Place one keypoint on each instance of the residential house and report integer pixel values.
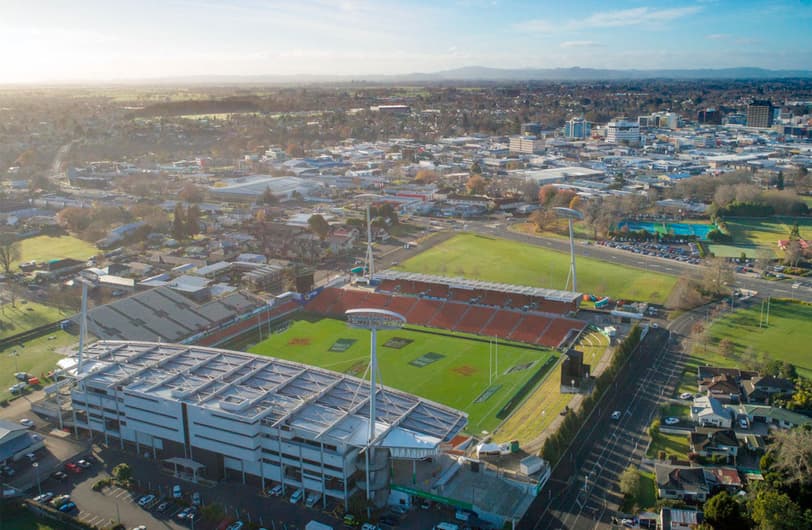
(762, 389)
(711, 442)
(723, 387)
(724, 478)
(706, 373)
(342, 240)
(709, 411)
(681, 483)
(775, 417)
(680, 519)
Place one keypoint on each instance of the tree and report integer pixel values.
(717, 277)
(318, 226)
(546, 194)
(793, 455)
(630, 481)
(772, 510)
(530, 191)
(122, 472)
(9, 252)
(793, 253)
(543, 218)
(725, 348)
(178, 223)
(475, 168)
(268, 197)
(191, 193)
(475, 185)
(192, 220)
(723, 512)
(425, 176)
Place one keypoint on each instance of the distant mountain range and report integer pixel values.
(482, 73)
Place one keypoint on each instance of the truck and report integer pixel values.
(315, 525)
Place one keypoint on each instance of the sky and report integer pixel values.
(119, 40)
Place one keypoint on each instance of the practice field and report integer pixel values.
(786, 338)
(25, 315)
(757, 238)
(37, 356)
(449, 369)
(46, 248)
(502, 260)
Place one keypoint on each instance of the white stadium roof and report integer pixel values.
(325, 404)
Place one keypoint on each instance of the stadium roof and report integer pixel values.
(464, 283)
(252, 388)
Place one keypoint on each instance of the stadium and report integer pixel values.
(298, 412)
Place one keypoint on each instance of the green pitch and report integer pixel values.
(46, 248)
(787, 338)
(449, 369)
(502, 260)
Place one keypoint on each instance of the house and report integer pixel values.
(711, 442)
(775, 417)
(705, 374)
(680, 519)
(723, 387)
(762, 389)
(726, 478)
(707, 410)
(681, 483)
(342, 240)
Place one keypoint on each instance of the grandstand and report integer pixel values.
(166, 315)
(540, 321)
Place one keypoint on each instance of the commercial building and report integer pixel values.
(623, 131)
(218, 413)
(760, 114)
(709, 117)
(526, 145)
(577, 128)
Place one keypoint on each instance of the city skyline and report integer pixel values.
(90, 41)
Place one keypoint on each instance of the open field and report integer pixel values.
(545, 404)
(25, 315)
(45, 248)
(507, 261)
(36, 356)
(672, 444)
(786, 338)
(450, 369)
(756, 237)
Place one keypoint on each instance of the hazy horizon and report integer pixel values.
(95, 41)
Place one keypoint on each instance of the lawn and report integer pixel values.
(46, 248)
(754, 237)
(25, 520)
(25, 315)
(36, 357)
(672, 444)
(546, 402)
(501, 260)
(455, 373)
(785, 339)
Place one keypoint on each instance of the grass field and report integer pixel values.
(26, 521)
(543, 406)
(507, 261)
(36, 356)
(45, 248)
(25, 315)
(456, 378)
(757, 237)
(785, 339)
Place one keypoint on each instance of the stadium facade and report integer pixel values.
(213, 413)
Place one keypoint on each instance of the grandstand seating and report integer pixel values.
(530, 329)
(323, 301)
(401, 304)
(502, 323)
(423, 311)
(474, 319)
(558, 330)
(448, 315)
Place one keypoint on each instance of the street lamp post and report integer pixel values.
(35, 465)
(15, 354)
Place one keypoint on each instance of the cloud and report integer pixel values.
(718, 36)
(611, 19)
(579, 44)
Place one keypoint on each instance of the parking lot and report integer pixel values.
(686, 253)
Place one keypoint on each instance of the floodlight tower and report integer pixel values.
(569, 214)
(373, 320)
(370, 259)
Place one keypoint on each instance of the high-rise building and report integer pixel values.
(623, 131)
(577, 128)
(531, 128)
(760, 114)
(526, 145)
(709, 117)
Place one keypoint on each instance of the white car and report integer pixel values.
(686, 395)
(796, 285)
(743, 423)
(671, 420)
(146, 499)
(297, 496)
(177, 493)
(616, 415)
(26, 422)
(236, 526)
(276, 491)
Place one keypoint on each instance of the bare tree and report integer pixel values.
(717, 277)
(793, 455)
(9, 252)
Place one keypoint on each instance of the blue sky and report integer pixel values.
(58, 40)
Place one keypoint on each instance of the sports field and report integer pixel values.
(786, 338)
(45, 248)
(36, 356)
(25, 315)
(452, 369)
(759, 237)
(502, 260)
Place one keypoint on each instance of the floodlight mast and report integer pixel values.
(569, 214)
(373, 320)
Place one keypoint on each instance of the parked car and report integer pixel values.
(351, 520)
(59, 475)
(297, 496)
(196, 498)
(25, 422)
(398, 509)
(743, 423)
(671, 420)
(237, 525)
(183, 513)
(616, 415)
(686, 395)
(59, 501)
(312, 499)
(162, 507)
(67, 507)
(45, 497)
(83, 464)
(370, 526)
(146, 499)
(276, 491)
(177, 493)
(73, 468)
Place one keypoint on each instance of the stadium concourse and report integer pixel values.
(518, 313)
